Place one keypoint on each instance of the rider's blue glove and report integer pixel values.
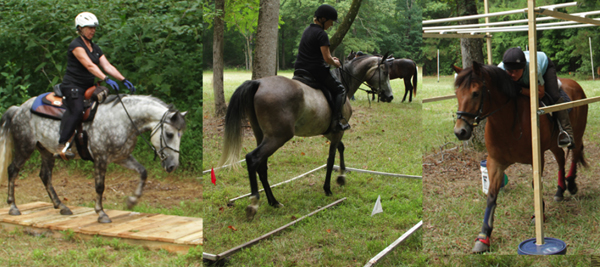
(112, 83)
(129, 86)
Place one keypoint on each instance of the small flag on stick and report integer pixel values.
(213, 178)
(377, 208)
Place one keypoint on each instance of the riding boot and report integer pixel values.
(337, 118)
(64, 152)
(565, 135)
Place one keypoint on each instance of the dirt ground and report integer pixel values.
(77, 188)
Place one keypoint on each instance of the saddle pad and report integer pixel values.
(50, 106)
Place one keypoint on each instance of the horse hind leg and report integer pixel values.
(46, 176)
(577, 157)
(408, 89)
(132, 164)
(20, 157)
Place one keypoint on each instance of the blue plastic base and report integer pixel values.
(551, 246)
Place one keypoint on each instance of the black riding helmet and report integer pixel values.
(514, 59)
(328, 12)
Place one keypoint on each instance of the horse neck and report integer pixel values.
(503, 106)
(145, 113)
(355, 75)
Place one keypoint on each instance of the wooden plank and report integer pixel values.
(125, 227)
(31, 218)
(437, 98)
(141, 232)
(535, 130)
(28, 206)
(182, 229)
(26, 212)
(571, 104)
(95, 228)
(86, 219)
(193, 239)
(43, 222)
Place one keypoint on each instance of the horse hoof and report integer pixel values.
(277, 205)
(131, 202)
(571, 185)
(14, 212)
(341, 179)
(66, 211)
(250, 212)
(558, 198)
(480, 247)
(104, 219)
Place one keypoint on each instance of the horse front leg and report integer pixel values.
(99, 173)
(132, 164)
(46, 176)
(559, 155)
(341, 179)
(335, 141)
(496, 175)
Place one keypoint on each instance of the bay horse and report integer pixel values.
(112, 138)
(405, 69)
(486, 91)
(280, 108)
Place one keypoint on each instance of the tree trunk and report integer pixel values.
(282, 49)
(218, 43)
(341, 31)
(472, 50)
(265, 59)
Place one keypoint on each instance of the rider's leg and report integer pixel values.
(71, 119)
(338, 93)
(565, 137)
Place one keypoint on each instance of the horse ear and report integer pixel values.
(477, 68)
(183, 114)
(456, 69)
(385, 56)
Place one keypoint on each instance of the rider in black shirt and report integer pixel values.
(314, 56)
(83, 59)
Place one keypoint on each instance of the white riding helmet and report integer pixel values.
(86, 19)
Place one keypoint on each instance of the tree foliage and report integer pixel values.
(155, 44)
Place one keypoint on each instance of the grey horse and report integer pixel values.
(112, 138)
(279, 108)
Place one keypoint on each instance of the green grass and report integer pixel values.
(384, 137)
(454, 203)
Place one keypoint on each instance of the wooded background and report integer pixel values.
(156, 44)
(380, 26)
(567, 48)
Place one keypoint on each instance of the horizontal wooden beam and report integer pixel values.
(565, 16)
(567, 105)
(454, 35)
(438, 98)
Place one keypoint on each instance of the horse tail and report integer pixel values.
(415, 80)
(241, 105)
(6, 142)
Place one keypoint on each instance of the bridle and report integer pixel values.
(478, 117)
(161, 126)
(373, 90)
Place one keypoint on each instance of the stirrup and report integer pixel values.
(562, 132)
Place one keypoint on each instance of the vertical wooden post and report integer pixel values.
(488, 39)
(535, 129)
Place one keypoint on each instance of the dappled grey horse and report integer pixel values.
(112, 138)
(279, 108)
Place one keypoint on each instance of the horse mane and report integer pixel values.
(115, 100)
(500, 79)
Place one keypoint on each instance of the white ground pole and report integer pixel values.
(208, 171)
(592, 59)
(438, 64)
(535, 110)
(385, 251)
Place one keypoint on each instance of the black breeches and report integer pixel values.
(73, 114)
(324, 76)
(551, 82)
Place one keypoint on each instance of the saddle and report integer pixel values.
(50, 105)
(305, 77)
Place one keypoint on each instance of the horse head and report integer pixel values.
(380, 79)
(166, 138)
(351, 56)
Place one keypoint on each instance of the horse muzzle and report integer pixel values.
(170, 164)
(462, 130)
(386, 99)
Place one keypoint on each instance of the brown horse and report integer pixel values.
(279, 108)
(486, 91)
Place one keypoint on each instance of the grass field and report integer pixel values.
(454, 203)
(384, 137)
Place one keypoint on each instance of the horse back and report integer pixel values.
(402, 68)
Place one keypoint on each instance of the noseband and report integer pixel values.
(478, 117)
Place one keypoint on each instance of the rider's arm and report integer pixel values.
(328, 58)
(541, 91)
(83, 58)
(110, 69)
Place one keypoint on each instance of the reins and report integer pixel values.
(372, 90)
